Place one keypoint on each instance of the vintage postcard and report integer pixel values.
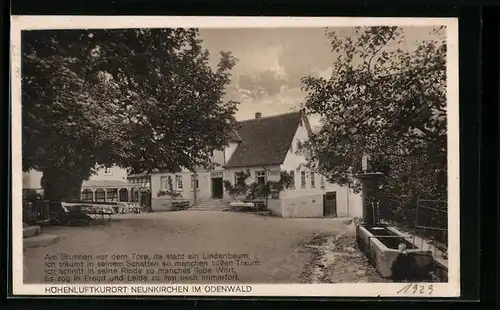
(234, 156)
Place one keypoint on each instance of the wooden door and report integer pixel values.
(217, 188)
(330, 204)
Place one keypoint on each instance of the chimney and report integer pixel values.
(258, 115)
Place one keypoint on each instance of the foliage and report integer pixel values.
(30, 195)
(286, 180)
(169, 191)
(240, 188)
(143, 99)
(256, 190)
(385, 102)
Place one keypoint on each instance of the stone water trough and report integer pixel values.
(384, 245)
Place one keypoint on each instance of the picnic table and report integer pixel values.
(99, 213)
(127, 207)
(80, 213)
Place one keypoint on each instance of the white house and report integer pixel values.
(264, 146)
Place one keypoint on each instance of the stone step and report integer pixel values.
(212, 203)
(31, 231)
(210, 206)
(40, 241)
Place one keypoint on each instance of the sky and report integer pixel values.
(273, 60)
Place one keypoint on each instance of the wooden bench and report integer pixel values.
(179, 205)
(240, 206)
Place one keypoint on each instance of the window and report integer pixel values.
(112, 194)
(123, 194)
(313, 180)
(260, 177)
(135, 194)
(108, 171)
(195, 182)
(322, 182)
(164, 182)
(178, 183)
(87, 195)
(239, 178)
(303, 179)
(100, 195)
(292, 175)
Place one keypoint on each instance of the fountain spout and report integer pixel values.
(370, 197)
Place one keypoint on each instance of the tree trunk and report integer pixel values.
(59, 185)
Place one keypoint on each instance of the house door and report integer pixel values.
(330, 204)
(217, 188)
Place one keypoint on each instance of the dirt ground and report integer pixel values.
(280, 250)
(337, 260)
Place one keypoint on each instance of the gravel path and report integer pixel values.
(277, 247)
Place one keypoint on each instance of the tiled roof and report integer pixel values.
(265, 140)
(235, 136)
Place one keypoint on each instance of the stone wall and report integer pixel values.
(308, 206)
(274, 205)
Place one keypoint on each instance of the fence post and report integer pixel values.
(416, 223)
(369, 195)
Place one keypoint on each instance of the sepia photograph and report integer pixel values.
(235, 156)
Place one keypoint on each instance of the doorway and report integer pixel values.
(217, 188)
(330, 204)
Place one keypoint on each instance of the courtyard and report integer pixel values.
(275, 250)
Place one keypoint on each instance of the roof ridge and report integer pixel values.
(270, 116)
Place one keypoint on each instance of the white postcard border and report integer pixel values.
(450, 289)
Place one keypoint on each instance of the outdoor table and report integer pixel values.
(94, 211)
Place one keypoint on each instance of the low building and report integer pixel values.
(108, 184)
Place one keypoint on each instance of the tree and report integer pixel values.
(385, 102)
(142, 99)
(264, 83)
